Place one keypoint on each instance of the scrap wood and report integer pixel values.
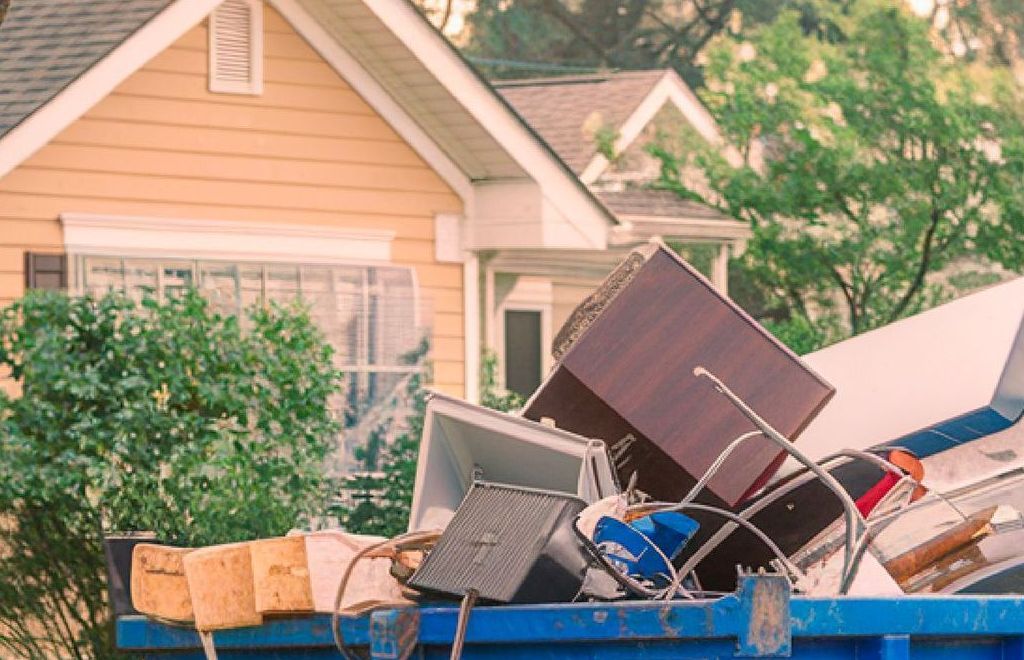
(281, 582)
(906, 565)
(220, 581)
(158, 585)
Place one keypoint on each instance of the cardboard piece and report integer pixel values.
(626, 376)
(460, 439)
(158, 584)
(329, 554)
(220, 581)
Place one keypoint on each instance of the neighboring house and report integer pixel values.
(601, 127)
(340, 151)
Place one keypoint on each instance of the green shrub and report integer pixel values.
(161, 416)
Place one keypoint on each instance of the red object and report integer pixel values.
(869, 500)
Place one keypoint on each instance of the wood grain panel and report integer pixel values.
(193, 87)
(278, 195)
(637, 357)
(35, 216)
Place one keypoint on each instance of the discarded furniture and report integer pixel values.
(625, 375)
(462, 442)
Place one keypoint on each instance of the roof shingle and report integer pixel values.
(46, 44)
(563, 110)
(656, 203)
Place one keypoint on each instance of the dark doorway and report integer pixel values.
(522, 351)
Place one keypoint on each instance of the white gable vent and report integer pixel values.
(236, 47)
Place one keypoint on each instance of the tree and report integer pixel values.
(883, 163)
(161, 416)
(522, 38)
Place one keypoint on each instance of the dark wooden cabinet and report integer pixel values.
(625, 375)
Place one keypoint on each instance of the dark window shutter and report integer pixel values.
(46, 271)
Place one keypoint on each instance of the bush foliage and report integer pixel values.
(162, 416)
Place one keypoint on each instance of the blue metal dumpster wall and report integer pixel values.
(760, 620)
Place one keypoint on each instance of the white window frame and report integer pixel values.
(222, 240)
(254, 86)
(193, 240)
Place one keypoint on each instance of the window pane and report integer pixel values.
(251, 283)
(140, 278)
(349, 330)
(522, 351)
(282, 284)
(221, 286)
(102, 274)
(393, 321)
(176, 277)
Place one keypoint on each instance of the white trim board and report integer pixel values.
(91, 87)
(670, 88)
(135, 236)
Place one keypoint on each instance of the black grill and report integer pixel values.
(510, 544)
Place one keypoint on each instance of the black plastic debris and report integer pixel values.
(510, 545)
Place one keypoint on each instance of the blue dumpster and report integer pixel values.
(760, 620)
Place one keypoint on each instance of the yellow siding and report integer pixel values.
(309, 150)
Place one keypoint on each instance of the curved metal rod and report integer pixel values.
(727, 529)
(751, 527)
(854, 521)
(716, 465)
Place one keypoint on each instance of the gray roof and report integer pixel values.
(563, 110)
(47, 44)
(658, 203)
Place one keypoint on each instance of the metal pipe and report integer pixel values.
(854, 521)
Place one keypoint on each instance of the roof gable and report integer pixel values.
(47, 44)
(568, 111)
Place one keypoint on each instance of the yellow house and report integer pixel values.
(340, 151)
(337, 150)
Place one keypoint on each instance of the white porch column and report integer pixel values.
(471, 325)
(720, 269)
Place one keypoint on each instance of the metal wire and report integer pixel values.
(339, 636)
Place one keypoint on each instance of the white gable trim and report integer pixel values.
(584, 213)
(363, 82)
(138, 236)
(91, 87)
(670, 89)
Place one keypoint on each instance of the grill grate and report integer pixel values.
(511, 544)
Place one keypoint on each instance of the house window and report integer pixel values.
(523, 350)
(368, 313)
(236, 47)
